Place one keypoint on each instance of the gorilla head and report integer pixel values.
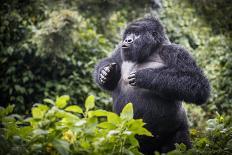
(141, 38)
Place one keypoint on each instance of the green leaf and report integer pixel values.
(47, 100)
(136, 126)
(5, 111)
(133, 140)
(74, 108)
(40, 132)
(89, 102)
(97, 113)
(39, 111)
(113, 118)
(61, 146)
(107, 125)
(62, 101)
(144, 131)
(181, 147)
(127, 112)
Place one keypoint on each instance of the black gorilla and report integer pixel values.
(155, 75)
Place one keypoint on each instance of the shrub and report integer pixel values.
(58, 128)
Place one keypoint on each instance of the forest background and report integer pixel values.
(49, 48)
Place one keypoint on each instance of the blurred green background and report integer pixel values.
(49, 48)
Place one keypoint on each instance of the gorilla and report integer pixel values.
(155, 75)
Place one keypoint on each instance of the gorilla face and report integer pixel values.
(137, 46)
(140, 38)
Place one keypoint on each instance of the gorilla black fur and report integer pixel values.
(156, 76)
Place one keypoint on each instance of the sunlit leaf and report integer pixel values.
(39, 111)
(97, 113)
(127, 112)
(74, 108)
(62, 101)
(106, 125)
(49, 101)
(89, 102)
(113, 118)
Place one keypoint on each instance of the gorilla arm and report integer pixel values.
(180, 79)
(107, 72)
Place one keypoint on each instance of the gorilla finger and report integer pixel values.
(133, 72)
(133, 84)
(104, 72)
(107, 69)
(102, 77)
(102, 81)
(131, 81)
(131, 76)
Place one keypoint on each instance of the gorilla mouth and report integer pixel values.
(124, 45)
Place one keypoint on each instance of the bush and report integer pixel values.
(58, 128)
(216, 139)
(55, 56)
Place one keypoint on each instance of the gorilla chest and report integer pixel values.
(129, 67)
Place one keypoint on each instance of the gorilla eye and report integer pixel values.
(136, 33)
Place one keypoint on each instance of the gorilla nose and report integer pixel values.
(129, 40)
(126, 43)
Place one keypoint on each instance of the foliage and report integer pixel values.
(215, 140)
(186, 26)
(55, 53)
(58, 128)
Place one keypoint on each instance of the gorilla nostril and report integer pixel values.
(129, 41)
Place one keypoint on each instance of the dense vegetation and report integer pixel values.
(49, 48)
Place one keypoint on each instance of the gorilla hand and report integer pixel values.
(106, 74)
(132, 78)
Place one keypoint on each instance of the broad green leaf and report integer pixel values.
(113, 132)
(89, 102)
(5, 111)
(40, 132)
(62, 101)
(47, 100)
(181, 147)
(80, 122)
(113, 118)
(127, 112)
(61, 146)
(136, 126)
(39, 111)
(74, 108)
(133, 140)
(107, 125)
(144, 131)
(97, 113)
(85, 144)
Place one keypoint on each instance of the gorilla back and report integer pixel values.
(156, 76)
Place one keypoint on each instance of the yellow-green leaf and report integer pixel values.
(113, 118)
(62, 101)
(74, 108)
(90, 102)
(97, 113)
(106, 125)
(47, 100)
(127, 112)
(39, 111)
